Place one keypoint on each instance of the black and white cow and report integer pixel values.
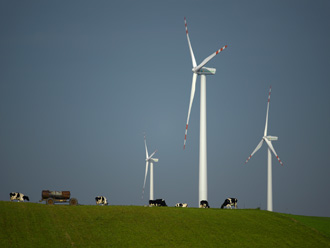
(229, 202)
(157, 203)
(204, 204)
(181, 205)
(18, 196)
(101, 200)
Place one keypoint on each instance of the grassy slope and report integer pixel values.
(133, 226)
(320, 224)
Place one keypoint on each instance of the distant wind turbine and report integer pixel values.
(202, 71)
(151, 160)
(268, 139)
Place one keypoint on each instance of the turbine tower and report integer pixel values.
(151, 160)
(202, 71)
(268, 139)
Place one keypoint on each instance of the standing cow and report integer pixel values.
(204, 204)
(229, 202)
(18, 196)
(157, 203)
(101, 200)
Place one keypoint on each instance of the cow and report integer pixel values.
(181, 205)
(18, 196)
(101, 200)
(204, 204)
(157, 203)
(229, 202)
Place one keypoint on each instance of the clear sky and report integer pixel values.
(81, 81)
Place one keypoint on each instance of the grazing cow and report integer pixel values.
(157, 203)
(18, 196)
(204, 204)
(229, 202)
(101, 200)
(181, 205)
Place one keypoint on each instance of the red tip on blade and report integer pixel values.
(279, 160)
(221, 49)
(248, 159)
(270, 91)
(186, 126)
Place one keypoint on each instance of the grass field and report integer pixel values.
(39, 225)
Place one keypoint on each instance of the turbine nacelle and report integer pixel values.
(151, 159)
(271, 138)
(205, 71)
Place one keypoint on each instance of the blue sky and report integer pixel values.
(81, 81)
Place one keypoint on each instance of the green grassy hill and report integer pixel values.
(39, 225)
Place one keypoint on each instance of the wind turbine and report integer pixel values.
(202, 71)
(268, 139)
(151, 160)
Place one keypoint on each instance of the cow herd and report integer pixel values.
(101, 200)
(203, 204)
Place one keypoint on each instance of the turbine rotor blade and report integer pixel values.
(190, 48)
(255, 150)
(152, 155)
(145, 178)
(145, 144)
(266, 125)
(192, 94)
(205, 61)
(273, 150)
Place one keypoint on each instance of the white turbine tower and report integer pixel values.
(268, 139)
(202, 71)
(151, 160)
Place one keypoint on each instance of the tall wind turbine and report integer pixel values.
(268, 139)
(202, 71)
(151, 160)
